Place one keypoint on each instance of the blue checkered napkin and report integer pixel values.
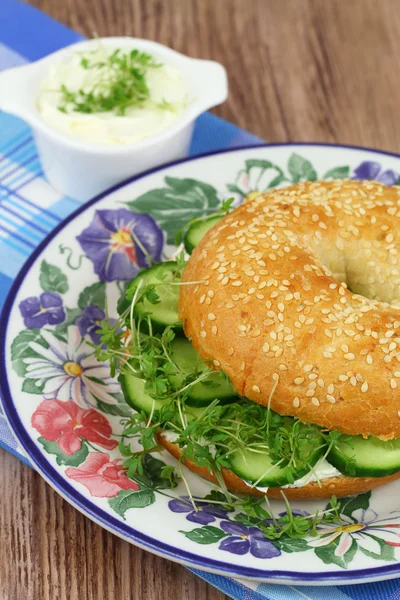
(30, 209)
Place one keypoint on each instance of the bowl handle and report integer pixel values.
(16, 91)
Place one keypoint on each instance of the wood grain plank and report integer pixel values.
(305, 70)
(50, 551)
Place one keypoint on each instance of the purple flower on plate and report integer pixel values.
(47, 309)
(244, 539)
(205, 515)
(373, 170)
(89, 322)
(120, 242)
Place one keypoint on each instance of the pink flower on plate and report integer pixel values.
(67, 424)
(103, 477)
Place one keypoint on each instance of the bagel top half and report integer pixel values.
(298, 300)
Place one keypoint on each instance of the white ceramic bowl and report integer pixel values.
(83, 170)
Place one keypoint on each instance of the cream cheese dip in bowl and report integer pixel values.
(106, 109)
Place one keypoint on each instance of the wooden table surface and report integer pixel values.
(303, 70)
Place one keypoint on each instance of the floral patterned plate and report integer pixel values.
(68, 412)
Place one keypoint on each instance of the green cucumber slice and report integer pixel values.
(136, 396)
(255, 467)
(371, 457)
(215, 386)
(197, 231)
(165, 312)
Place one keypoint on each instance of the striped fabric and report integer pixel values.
(30, 209)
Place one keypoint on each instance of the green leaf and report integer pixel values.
(29, 386)
(337, 173)
(93, 294)
(287, 544)
(235, 189)
(176, 204)
(153, 468)
(72, 460)
(277, 181)
(120, 409)
(328, 556)
(348, 505)
(205, 535)
(259, 163)
(261, 183)
(386, 551)
(217, 496)
(60, 330)
(126, 499)
(52, 279)
(20, 348)
(301, 169)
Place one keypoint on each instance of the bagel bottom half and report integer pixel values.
(334, 486)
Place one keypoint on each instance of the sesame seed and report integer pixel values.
(315, 401)
(256, 389)
(203, 334)
(296, 402)
(216, 363)
(393, 384)
(364, 387)
(299, 380)
(211, 317)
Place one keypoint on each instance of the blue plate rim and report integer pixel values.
(98, 515)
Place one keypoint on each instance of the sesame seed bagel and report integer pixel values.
(299, 303)
(338, 486)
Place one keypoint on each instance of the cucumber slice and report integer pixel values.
(197, 231)
(371, 457)
(165, 312)
(136, 396)
(255, 467)
(216, 385)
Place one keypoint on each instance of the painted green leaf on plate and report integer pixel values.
(205, 535)
(72, 460)
(176, 204)
(301, 169)
(93, 294)
(127, 499)
(52, 279)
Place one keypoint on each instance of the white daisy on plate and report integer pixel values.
(70, 371)
(364, 527)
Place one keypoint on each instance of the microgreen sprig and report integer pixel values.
(120, 83)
